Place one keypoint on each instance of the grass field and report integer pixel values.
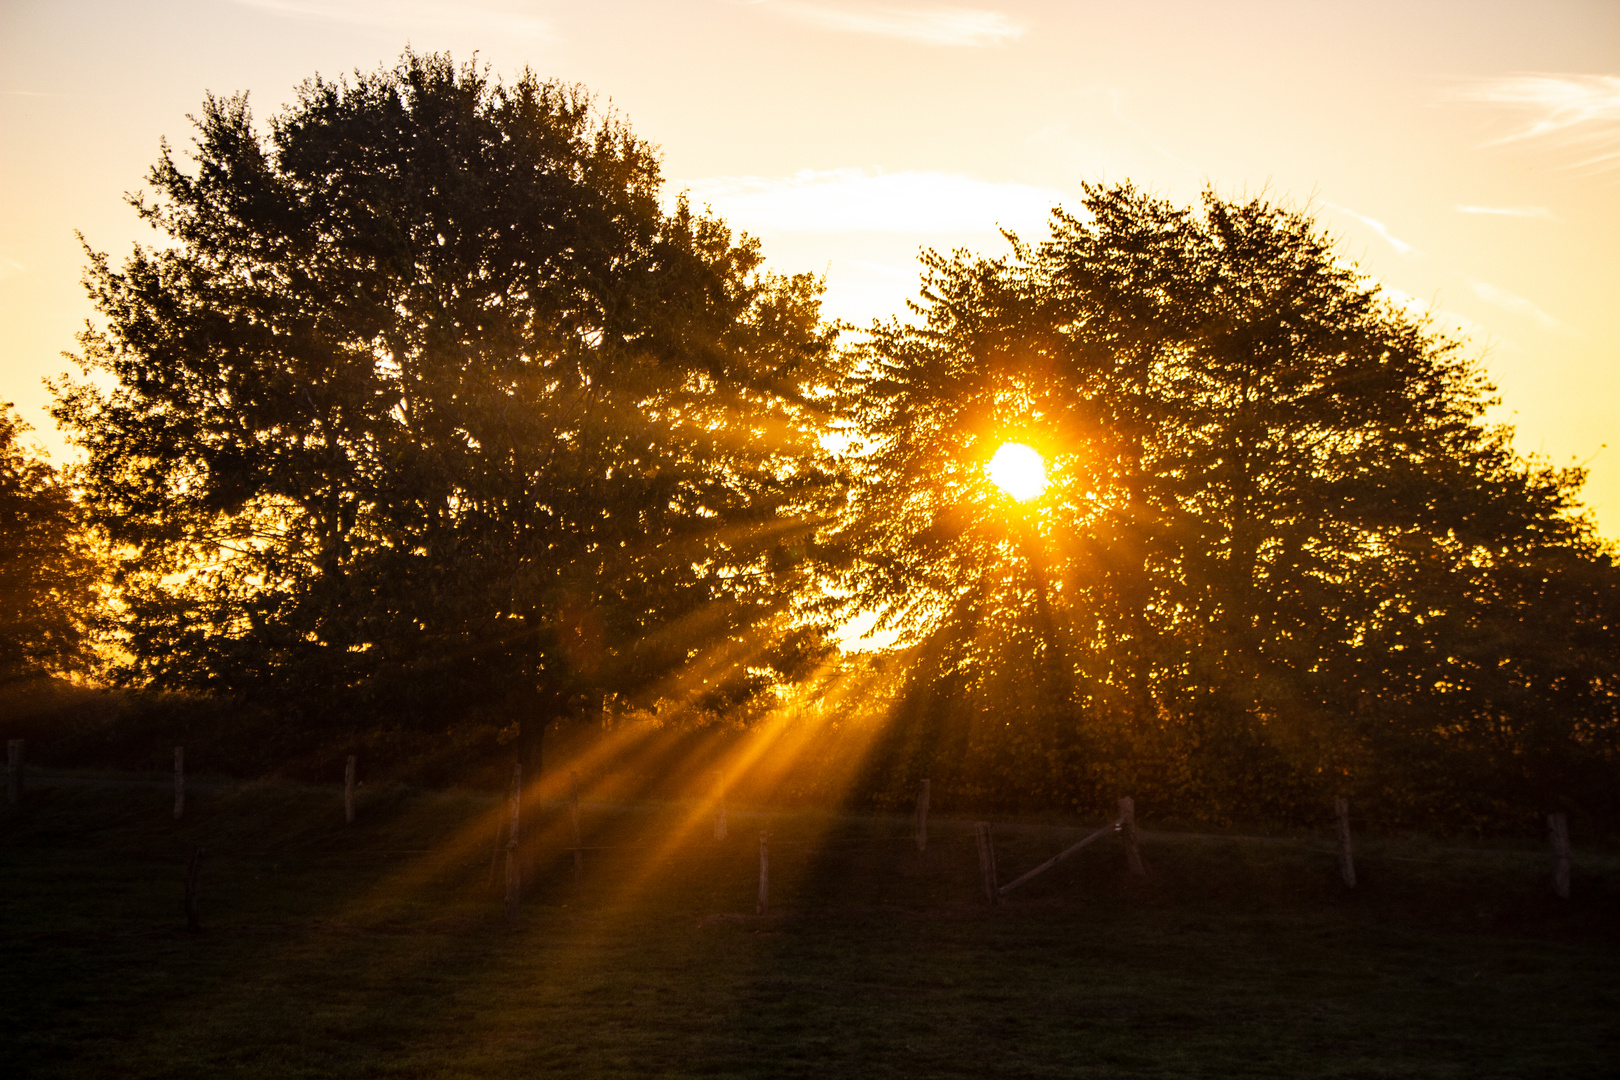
(381, 949)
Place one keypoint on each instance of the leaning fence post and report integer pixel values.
(348, 791)
(987, 863)
(193, 868)
(1347, 862)
(922, 816)
(763, 906)
(1132, 838)
(14, 770)
(512, 869)
(573, 817)
(1558, 828)
(179, 781)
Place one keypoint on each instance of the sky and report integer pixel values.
(1465, 155)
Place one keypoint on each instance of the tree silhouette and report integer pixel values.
(1277, 531)
(425, 402)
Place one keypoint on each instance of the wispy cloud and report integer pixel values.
(927, 26)
(858, 200)
(1401, 246)
(509, 17)
(1580, 112)
(1506, 211)
(1518, 305)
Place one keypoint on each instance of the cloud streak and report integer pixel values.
(1401, 246)
(1518, 305)
(959, 27)
(858, 200)
(1580, 112)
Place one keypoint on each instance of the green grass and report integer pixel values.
(381, 949)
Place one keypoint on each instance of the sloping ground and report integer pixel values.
(381, 949)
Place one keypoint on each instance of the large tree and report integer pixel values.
(425, 401)
(1281, 550)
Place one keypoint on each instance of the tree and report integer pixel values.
(1266, 481)
(427, 405)
(50, 575)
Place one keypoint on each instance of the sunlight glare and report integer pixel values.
(1018, 470)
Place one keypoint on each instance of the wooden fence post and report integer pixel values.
(1347, 862)
(573, 817)
(179, 781)
(987, 863)
(193, 868)
(513, 872)
(1132, 838)
(1558, 829)
(348, 791)
(14, 771)
(763, 905)
(922, 816)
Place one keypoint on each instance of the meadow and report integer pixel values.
(382, 949)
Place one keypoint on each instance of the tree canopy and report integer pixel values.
(425, 401)
(1281, 550)
(50, 574)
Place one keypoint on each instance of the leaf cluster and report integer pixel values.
(51, 605)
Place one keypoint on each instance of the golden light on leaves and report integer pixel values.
(1018, 470)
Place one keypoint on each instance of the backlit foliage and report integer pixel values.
(1281, 554)
(425, 404)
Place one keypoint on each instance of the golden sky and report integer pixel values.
(1467, 154)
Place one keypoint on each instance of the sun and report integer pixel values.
(1018, 470)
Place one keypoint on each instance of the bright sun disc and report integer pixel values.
(1018, 470)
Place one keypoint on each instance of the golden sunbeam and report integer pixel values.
(761, 767)
(1018, 470)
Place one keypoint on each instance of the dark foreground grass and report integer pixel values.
(381, 950)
